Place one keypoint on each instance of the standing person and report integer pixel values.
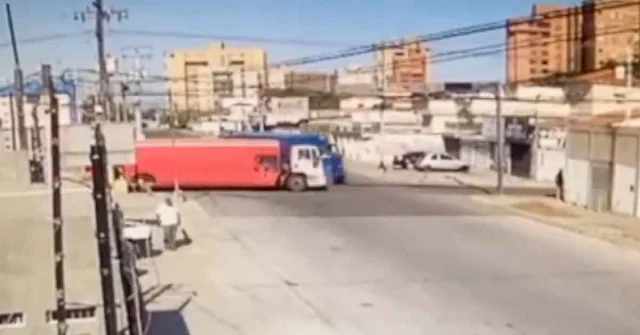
(560, 186)
(169, 219)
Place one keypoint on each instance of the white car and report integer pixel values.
(441, 162)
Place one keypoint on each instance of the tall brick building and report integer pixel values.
(403, 67)
(559, 39)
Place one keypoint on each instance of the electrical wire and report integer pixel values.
(441, 57)
(452, 33)
(187, 35)
(446, 56)
(47, 38)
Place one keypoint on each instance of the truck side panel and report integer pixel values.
(205, 165)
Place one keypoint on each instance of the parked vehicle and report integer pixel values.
(227, 163)
(441, 162)
(409, 159)
(333, 161)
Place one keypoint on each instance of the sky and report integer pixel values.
(338, 24)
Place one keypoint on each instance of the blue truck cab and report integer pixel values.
(333, 159)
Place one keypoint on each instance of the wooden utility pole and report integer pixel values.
(19, 84)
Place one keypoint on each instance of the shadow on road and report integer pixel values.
(167, 322)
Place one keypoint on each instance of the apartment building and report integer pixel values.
(610, 28)
(199, 77)
(559, 39)
(547, 42)
(290, 79)
(403, 67)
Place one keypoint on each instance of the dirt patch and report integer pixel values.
(541, 208)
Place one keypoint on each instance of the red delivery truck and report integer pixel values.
(227, 163)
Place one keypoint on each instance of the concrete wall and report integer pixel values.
(77, 139)
(477, 154)
(14, 168)
(547, 162)
(386, 146)
(577, 181)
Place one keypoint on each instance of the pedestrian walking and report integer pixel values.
(169, 219)
(560, 186)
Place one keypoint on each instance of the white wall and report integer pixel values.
(477, 154)
(577, 179)
(622, 195)
(547, 163)
(356, 103)
(64, 111)
(388, 145)
(442, 111)
(601, 99)
(355, 75)
(289, 103)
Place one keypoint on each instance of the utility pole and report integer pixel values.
(19, 84)
(499, 138)
(102, 15)
(56, 190)
(383, 84)
(136, 73)
(265, 99)
(101, 205)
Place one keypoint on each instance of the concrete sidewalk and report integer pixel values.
(359, 173)
(214, 285)
(622, 231)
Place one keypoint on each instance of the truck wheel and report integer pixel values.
(296, 183)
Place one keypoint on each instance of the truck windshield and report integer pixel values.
(325, 149)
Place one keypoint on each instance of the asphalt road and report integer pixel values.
(393, 260)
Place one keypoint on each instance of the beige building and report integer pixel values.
(290, 79)
(403, 67)
(199, 77)
(559, 39)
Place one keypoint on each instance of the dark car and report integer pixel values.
(409, 159)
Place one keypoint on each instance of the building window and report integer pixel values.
(546, 34)
(545, 62)
(223, 84)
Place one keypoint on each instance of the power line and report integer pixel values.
(46, 38)
(448, 34)
(446, 56)
(255, 39)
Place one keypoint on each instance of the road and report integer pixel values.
(393, 260)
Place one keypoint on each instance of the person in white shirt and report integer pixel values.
(169, 219)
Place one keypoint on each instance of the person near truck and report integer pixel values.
(169, 219)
